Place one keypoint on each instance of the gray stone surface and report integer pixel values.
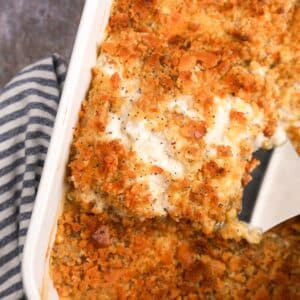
(33, 29)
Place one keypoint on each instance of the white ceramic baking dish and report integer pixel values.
(37, 282)
(42, 229)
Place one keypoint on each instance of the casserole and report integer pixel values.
(53, 177)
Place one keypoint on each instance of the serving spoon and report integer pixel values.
(279, 195)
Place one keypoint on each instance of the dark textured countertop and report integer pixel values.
(33, 29)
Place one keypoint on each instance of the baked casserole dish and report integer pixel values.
(182, 95)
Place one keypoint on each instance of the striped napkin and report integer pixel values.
(28, 105)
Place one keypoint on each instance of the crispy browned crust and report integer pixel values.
(163, 259)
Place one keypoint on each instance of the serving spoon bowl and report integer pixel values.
(279, 194)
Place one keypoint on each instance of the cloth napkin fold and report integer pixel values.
(28, 105)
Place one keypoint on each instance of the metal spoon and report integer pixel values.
(279, 194)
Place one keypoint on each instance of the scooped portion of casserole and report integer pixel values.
(182, 95)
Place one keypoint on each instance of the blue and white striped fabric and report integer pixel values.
(28, 105)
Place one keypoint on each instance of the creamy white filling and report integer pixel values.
(157, 187)
(240, 105)
(279, 137)
(182, 104)
(259, 141)
(215, 134)
(262, 71)
(130, 89)
(114, 129)
(221, 130)
(151, 147)
(106, 65)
